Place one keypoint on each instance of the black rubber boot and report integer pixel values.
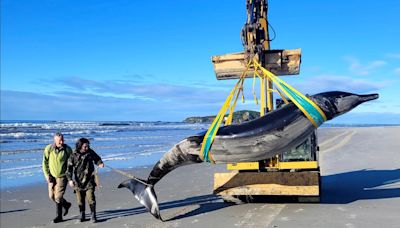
(66, 205)
(59, 217)
(82, 211)
(93, 212)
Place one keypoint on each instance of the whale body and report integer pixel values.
(259, 139)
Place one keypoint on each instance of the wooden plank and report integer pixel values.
(298, 165)
(243, 166)
(272, 190)
(279, 62)
(267, 183)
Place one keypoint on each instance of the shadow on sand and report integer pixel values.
(11, 211)
(339, 188)
(205, 203)
(348, 187)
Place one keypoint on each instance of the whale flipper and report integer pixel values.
(144, 194)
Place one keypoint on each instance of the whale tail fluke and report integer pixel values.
(145, 194)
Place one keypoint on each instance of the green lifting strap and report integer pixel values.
(307, 106)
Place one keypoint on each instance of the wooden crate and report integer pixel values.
(279, 62)
(267, 183)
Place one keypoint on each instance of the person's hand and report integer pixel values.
(71, 183)
(101, 165)
(49, 179)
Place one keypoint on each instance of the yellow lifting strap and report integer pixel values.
(308, 107)
(213, 129)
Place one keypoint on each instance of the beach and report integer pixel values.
(360, 168)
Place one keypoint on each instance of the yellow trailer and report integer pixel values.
(296, 174)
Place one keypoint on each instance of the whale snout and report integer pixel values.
(368, 97)
(342, 102)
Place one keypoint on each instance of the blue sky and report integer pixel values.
(151, 60)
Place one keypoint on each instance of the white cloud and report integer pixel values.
(324, 83)
(363, 69)
(397, 71)
(194, 92)
(84, 106)
(393, 55)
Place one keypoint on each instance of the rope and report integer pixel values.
(96, 177)
(128, 175)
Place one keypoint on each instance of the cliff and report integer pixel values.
(238, 117)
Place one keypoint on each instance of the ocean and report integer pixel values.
(127, 144)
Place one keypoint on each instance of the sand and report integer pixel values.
(360, 188)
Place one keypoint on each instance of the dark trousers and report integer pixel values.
(88, 194)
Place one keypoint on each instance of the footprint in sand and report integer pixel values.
(352, 216)
(284, 219)
(194, 221)
(299, 210)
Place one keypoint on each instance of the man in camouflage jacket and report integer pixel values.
(81, 167)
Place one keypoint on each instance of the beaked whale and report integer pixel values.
(259, 139)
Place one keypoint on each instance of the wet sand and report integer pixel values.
(360, 188)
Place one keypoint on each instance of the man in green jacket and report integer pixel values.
(55, 158)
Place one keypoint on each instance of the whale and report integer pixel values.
(255, 140)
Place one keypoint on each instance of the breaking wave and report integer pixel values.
(120, 143)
